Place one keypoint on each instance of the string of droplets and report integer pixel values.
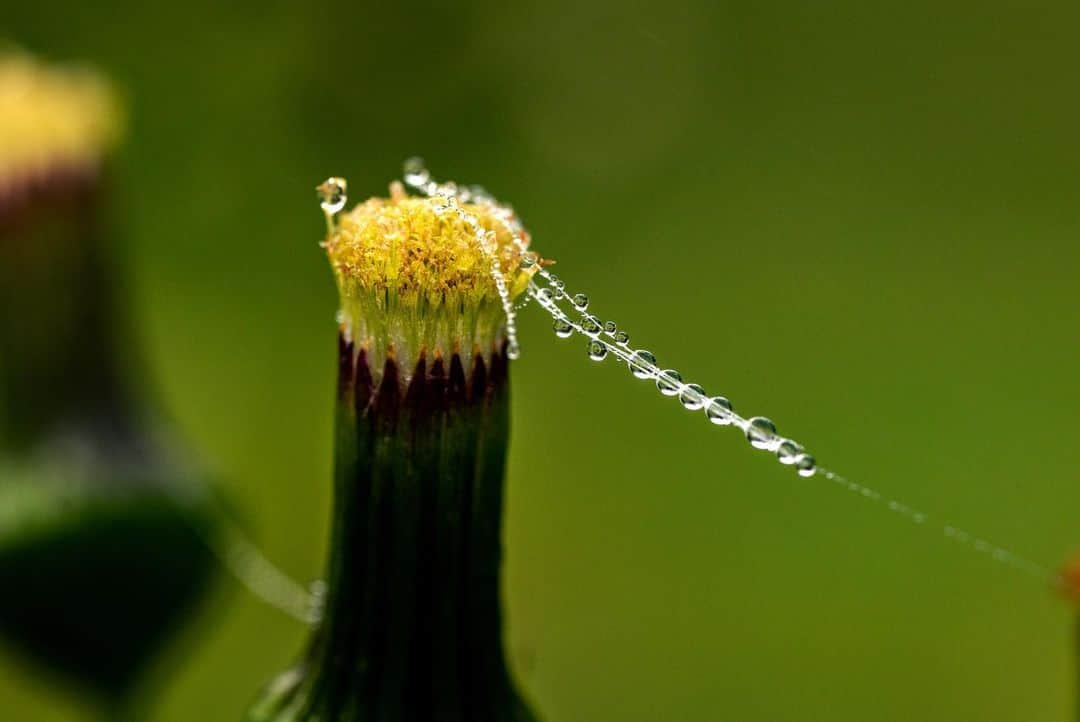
(604, 339)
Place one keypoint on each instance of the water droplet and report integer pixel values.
(642, 364)
(787, 451)
(806, 465)
(332, 196)
(610, 328)
(692, 397)
(529, 259)
(761, 433)
(513, 350)
(718, 410)
(556, 282)
(669, 382)
(581, 301)
(544, 295)
(563, 329)
(622, 338)
(416, 173)
(590, 325)
(597, 350)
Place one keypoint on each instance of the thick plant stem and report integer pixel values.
(412, 624)
(59, 371)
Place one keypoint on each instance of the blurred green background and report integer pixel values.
(857, 218)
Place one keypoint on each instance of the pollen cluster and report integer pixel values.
(52, 117)
(400, 247)
(413, 279)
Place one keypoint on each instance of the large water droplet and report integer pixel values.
(692, 397)
(597, 350)
(580, 301)
(761, 433)
(642, 364)
(669, 382)
(332, 196)
(416, 172)
(787, 451)
(718, 411)
(590, 325)
(563, 329)
(806, 465)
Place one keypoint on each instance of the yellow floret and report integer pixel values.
(51, 116)
(412, 279)
(400, 246)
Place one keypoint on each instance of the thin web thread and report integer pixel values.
(242, 559)
(605, 340)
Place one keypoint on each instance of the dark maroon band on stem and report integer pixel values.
(435, 384)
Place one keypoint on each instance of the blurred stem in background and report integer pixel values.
(1069, 585)
(412, 622)
(102, 524)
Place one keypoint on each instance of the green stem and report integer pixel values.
(59, 368)
(412, 626)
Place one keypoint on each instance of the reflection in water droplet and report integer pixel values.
(669, 382)
(642, 364)
(806, 465)
(416, 173)
(597, 350)
(718, 411)
(692, 397)
(581, 301)
(563, 329)
(622, 338)
(787, 451)
(761, 433)
(590, 325)
(332, 196)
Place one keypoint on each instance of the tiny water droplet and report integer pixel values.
(590, 325)
(761, 433)
(416, 172)
(610, 328)
(718, 410)
(544, 295)
(563, 329)
(787, 451)
(513, 351)
(529, 259)
(692, 397)
(669, 382)
(556, 282)
(806, 465)
(622, 338)
(581, 301)
(331, 193)
(597, 350)
(642, 363)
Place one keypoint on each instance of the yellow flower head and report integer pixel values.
(52, 117)
(412, 279)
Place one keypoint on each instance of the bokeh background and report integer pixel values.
(857, 218)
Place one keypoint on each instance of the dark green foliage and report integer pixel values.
(94, 589)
